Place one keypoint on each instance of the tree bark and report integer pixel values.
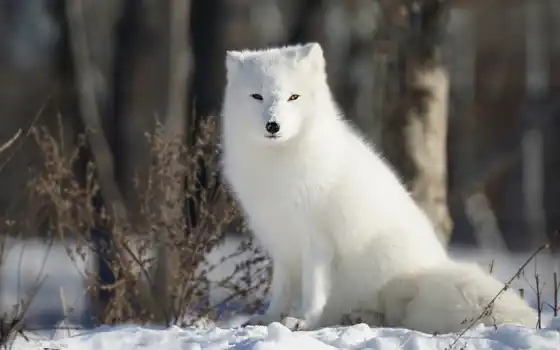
(414, 134)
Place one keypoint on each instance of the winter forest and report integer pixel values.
(113, 206)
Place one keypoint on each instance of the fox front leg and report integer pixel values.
(316, 282)
(282, 292)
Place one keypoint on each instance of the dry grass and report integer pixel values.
(156, 262)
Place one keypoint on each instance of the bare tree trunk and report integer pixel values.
(414, 135)
(208, 24)
(88, 96)
(141, 92)
(532, 145)
(151, 77)
(461, 46)
(363, 81)
(91, 60)
(176, 120)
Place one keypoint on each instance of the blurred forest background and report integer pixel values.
(461, 96)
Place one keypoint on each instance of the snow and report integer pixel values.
(35, 263)
(276, 336)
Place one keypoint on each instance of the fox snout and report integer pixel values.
(272, 127)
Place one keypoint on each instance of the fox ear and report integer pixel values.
(312, 55)
(233, 60)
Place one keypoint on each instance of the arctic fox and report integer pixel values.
(448, 298)
(333, 216)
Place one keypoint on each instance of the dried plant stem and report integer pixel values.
(491, 303)
(539, 302)
(10, 142)
(556, 289)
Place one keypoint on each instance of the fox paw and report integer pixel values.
(262, 320)
(295, 324)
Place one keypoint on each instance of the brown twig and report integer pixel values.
(539, 303)
(10, 142)
(555, 290)
(27, 133)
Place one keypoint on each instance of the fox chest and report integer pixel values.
(278, 200)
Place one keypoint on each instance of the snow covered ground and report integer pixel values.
(64, 281)
(276, 336)
(60, 282)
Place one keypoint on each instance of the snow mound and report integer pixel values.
(276, 337)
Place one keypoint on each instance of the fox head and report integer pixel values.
(273, 94)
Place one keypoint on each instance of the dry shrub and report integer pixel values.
(159, 260)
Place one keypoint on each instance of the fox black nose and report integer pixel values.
(272, 127)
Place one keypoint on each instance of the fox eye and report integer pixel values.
(257, 97)
(293, 97)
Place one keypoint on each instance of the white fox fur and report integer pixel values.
(333, 216)
(449, 298)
